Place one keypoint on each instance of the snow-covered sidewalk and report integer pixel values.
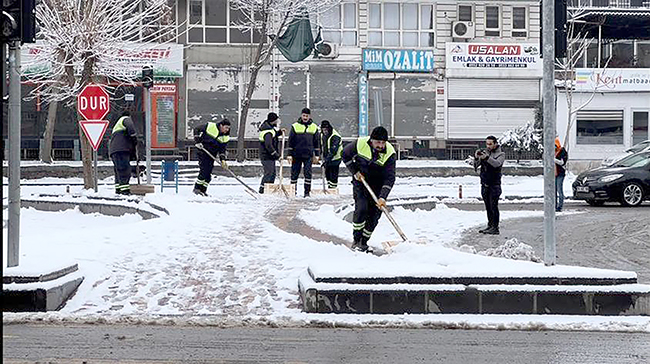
(222, 260)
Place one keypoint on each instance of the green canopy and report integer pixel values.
(297, 42)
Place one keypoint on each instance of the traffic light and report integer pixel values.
(147, 76)
(18, 21)
(560, 27)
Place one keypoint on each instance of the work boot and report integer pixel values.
(199, 192)
(261, 190)
(482, 231)
(492, 231)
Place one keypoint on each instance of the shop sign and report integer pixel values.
(397, 60)
(363, 104)
(493, 56)
(612, 79)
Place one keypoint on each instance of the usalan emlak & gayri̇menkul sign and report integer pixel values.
(397, 60)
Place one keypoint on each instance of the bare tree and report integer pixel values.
(84, 41)
(577, 44)
(269, 18)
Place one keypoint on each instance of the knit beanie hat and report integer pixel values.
(379, 133)
(325, 124)
(271, 117)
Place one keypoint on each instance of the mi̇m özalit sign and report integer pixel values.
(397, 60)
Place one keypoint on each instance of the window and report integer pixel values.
(214, 21)
(600, 127)
(401, 25)
(148, 29)
(492, 21)
(340, 24)
(519, 22)
(639, 127)
(600, 3)
(465, 13)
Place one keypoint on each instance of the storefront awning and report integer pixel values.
(615, 23)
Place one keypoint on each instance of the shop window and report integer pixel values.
(622, 54)
(401, 25)
(519, 22)
(600, 127)
(600, 3)
(492, 21)
(639, 127)
(214, 21)
(465, 13)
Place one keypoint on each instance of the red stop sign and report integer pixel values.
(93, 103)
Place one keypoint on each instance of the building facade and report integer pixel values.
(439, 75)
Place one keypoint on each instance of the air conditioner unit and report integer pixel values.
(463, 29)
(327, 50)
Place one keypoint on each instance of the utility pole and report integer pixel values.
(147, 83)
(13, 229)
(548, 98)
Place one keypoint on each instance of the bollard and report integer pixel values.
(67, 189)
(460, 191)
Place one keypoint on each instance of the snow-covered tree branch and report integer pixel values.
(268, 18)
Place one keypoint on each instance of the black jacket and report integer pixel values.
(213, 141)
(124, 138)
(304, 143)
(379, 169)
(560, 168)
(269, 146)
(330, 152)
(491, 167)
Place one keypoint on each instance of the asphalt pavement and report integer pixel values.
(172, 344)
(610, 236)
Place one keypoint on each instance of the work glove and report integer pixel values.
(199, 145)
(223, 164)
(381, 203)
(559, 161)
(314, 160)
(290, 159)
(358, 176)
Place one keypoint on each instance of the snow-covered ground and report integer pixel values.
(221, 260)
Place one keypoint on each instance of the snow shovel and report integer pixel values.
(326, 190)
(248, 189)
(272, 187)
(139, 189)
(387, 245)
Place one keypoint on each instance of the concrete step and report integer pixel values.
(40, 292)
(413, 298)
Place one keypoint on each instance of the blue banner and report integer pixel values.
(363, 104)
(397, 60)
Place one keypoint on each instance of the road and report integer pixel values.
(609, 236)
(157, 344)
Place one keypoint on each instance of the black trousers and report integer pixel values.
(206, 164)
(332, 173)
(305, 164)
(490, 196)
(366, 214)
(122, 170)
(269, 173)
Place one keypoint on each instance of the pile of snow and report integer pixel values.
(513, 249)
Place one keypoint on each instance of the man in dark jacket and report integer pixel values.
(561, 158)
(269, 150)
(124, 140)
(303, 148)
(490, 161)
(214, 138)
(373, 159)
(332, 147)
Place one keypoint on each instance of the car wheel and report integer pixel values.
(632, 194)
(595, 202)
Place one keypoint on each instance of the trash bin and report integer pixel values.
(169, 170)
